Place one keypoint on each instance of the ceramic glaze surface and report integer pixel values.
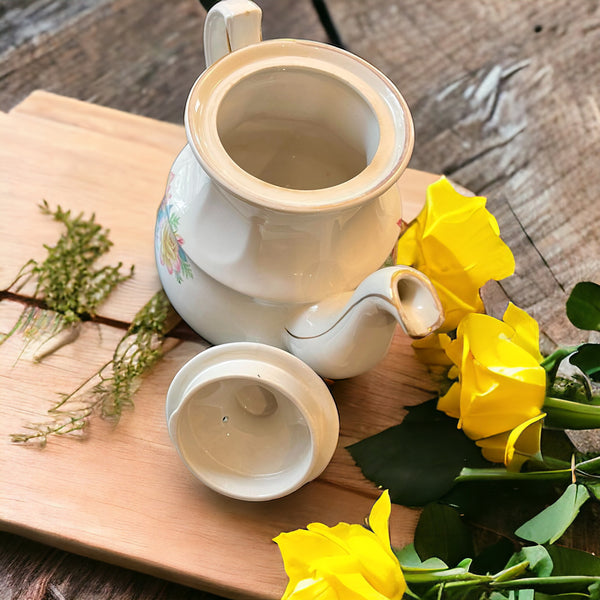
(284, 203)
(272, 255)
(312, 84)
(279, 152)
(251, 421)
(237, 440)
(291, 136)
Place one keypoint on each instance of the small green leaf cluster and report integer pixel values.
(68, 279)
(427, 461)
(136, 353)
(69, 285)
(442, 564)
(110, 390)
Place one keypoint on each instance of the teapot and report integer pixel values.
(284, 204)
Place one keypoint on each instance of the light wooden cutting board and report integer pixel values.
(121, 494)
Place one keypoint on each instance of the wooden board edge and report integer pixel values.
(101, 119)
(123, 561)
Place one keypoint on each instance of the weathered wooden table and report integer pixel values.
(505, 100)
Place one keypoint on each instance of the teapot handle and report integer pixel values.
(230, 25)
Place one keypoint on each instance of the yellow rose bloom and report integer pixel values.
(344, 562)
(501, 386)
(456, 242)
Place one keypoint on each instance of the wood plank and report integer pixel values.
(505, 102)
(119, 180)
(106, 496)
(140, 56)
(167, 137)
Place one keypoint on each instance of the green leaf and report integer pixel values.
(442, 533)
(568, 561)
(553, 586)
(540, 561)
(552, 522)
(593, 488)
(411, 561)
(512, 572)
(557, 448)
(583, 306)
(568, 596)
(506, 504)
(587, 358)
(567, 414)
(418, 460)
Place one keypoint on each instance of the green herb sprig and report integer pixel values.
(110, 390)
(69, 285)
(69, 288)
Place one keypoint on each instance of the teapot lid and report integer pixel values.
(251, 421)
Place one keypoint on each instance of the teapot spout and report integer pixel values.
(349, 333)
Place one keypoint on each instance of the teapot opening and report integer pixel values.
(297, 128)
(420, 309)
(302, 87)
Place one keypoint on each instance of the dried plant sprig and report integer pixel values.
(110, 390)
(135, 354)
(67, 424)
(68, 281)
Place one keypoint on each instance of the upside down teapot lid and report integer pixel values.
(251, 421)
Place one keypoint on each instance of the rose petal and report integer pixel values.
(450, 401)
(527, 330)
(515, 447)
(455, 242)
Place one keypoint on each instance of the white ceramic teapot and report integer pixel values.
(283, 205)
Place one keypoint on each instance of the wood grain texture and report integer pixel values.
(122, 494)
(141, 56)
(505, 99)
(56, 169)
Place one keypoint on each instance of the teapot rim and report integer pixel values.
(379, 93)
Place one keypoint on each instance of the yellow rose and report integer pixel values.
(501, 386)
(456, 242)
(343, 562)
